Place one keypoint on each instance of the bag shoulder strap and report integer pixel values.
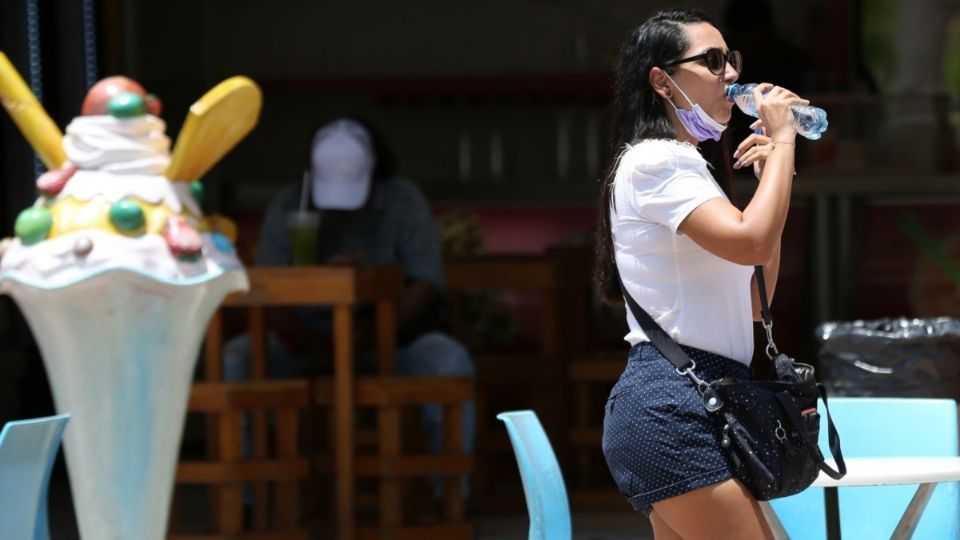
(762, 290)
(669, 348)
(765, 316)
(657, 336)
(810, 445)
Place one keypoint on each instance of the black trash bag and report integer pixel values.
(891, 357)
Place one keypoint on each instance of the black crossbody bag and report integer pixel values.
(768, 429)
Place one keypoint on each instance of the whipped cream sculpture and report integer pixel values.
(110, 204)
(118, 272)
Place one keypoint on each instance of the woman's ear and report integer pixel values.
(660, 83)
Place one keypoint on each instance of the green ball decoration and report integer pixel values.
(126, 215)
(196, 189)
(33, 225)
(127, 105)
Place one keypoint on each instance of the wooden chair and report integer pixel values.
(390, 465)
(521, 377)
(591, 376)
(228, 403)
(341, 394)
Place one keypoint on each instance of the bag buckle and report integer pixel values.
(711, 401)
(780, 433)
(771, 349)
(688, 371)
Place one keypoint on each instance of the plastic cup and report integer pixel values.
(304, 228)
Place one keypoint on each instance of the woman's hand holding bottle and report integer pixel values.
(773, 107)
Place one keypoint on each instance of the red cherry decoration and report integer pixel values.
(182, 239)
(51, 183)
(154, 105)
(100, 94)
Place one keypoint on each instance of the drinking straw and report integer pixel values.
(303, 191)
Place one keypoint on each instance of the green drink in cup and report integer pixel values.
(304, 229)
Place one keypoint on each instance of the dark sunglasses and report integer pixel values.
(715, 60)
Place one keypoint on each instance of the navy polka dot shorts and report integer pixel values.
(657, 438)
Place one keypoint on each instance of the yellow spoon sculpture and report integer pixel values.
(214, 125)
(30, 117)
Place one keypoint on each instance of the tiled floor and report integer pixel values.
(597, 525)
(586, 526)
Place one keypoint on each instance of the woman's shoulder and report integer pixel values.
(653, 154)
(661, 158)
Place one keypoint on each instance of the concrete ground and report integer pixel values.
(587, 525)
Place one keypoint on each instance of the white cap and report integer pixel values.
(342, 164)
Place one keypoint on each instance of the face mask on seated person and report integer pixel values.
(700, 125)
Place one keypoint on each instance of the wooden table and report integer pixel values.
(341, 287)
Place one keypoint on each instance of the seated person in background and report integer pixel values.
(368, 216)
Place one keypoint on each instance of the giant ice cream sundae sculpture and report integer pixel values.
(118, 272)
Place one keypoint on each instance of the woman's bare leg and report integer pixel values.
(662, 531)
(721, 511)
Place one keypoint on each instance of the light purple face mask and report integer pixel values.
(700, 125)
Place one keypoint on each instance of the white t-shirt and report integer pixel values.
(698, 298)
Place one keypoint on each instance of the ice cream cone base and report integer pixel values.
(120, 350)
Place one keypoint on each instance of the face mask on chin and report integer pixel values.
(700, 125)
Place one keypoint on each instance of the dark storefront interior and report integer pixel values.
(498, 112)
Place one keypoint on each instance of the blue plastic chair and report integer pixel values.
(27, 451)
(543, 485)
(882, 427)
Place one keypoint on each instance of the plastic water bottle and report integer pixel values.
(810, 121)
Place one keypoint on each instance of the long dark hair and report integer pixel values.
(638, 113)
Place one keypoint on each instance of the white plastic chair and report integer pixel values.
(27, 451)
(882, 427)
(543, 486)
